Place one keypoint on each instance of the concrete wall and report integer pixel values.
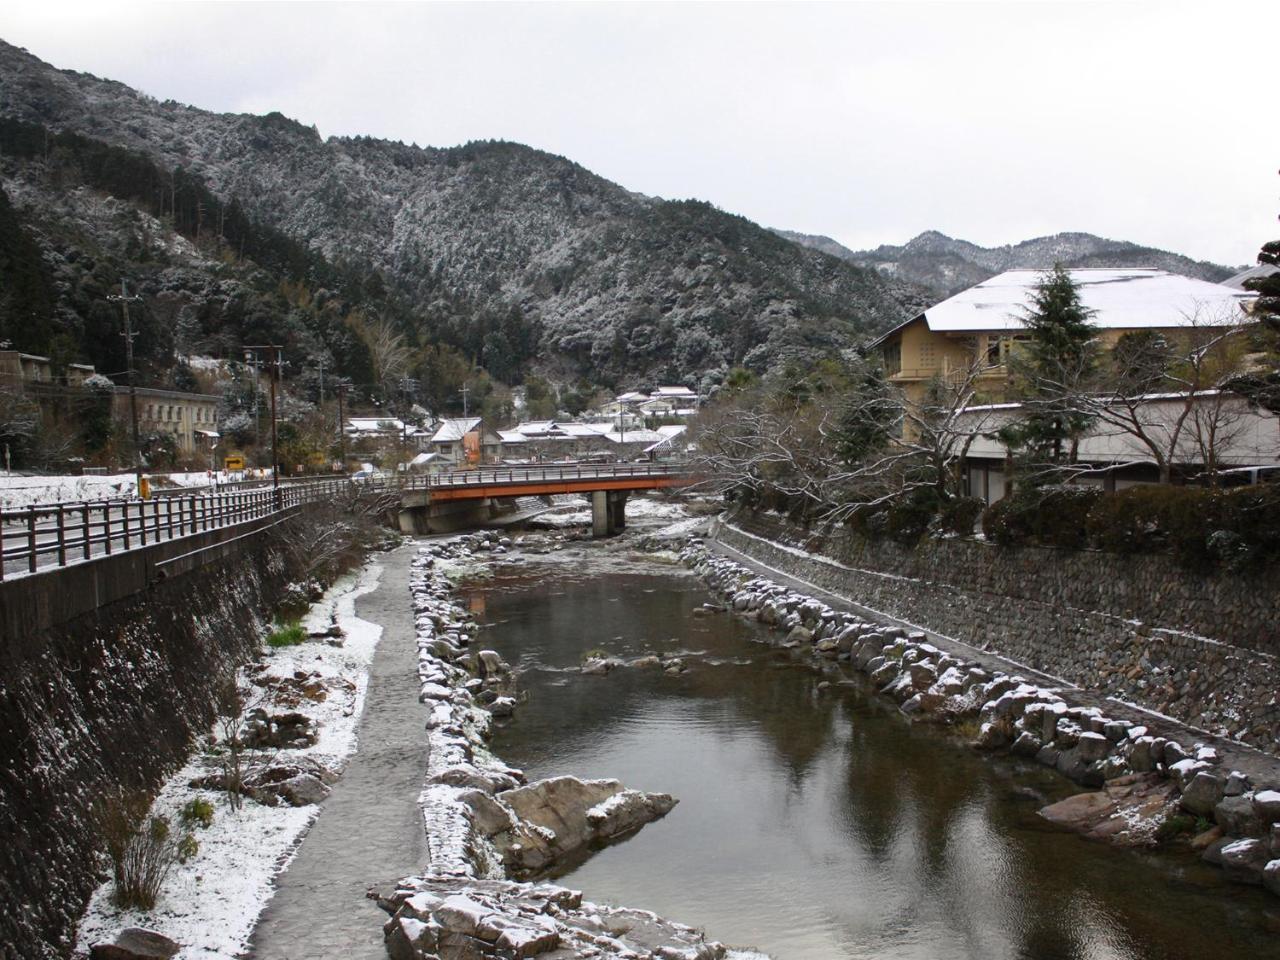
(1202, 650)
(32, 604)
(99, 700)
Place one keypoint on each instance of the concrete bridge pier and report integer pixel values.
(419, 515)
(608, 512)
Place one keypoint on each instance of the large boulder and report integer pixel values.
(1271, 877)
(135, 943)
(1202, 793)
(1245, 860)
(560, 816)
(1267, 804)
(1127, 811)
(1237, 817)
(465, 919)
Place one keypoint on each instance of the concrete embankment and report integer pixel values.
(106, 704)
(1202, 649)
(1156, 774)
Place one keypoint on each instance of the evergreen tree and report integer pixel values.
(1049, 370)
(1261, 387)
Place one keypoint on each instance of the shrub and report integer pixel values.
(197, 812)
(1174, 826)
(1052, 516)
(287, 635)
(959, 515)
(1253, 514)
(908, 519)
(1130, 521)
(1001, 523)
(869, 521)
(142, 848)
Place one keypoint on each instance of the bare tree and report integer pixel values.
(861, 445)
(1165, 396)
(929, 450)
(389, 352)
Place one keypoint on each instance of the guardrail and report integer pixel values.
(39, 537)
(486, 476)
(54, 535)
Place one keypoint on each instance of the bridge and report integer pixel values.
(40, 538)
(448, 501)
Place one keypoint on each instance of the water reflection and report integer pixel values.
(819, 825)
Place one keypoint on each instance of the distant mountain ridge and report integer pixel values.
(945, 265)
(517, 258)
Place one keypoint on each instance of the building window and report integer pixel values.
(893, 357)
(993, 352)
(928, 356)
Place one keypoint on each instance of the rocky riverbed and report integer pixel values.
(1151, 787)
(485, 826)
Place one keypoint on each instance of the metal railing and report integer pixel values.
(54, 535)
(544, 473)
(37, 537)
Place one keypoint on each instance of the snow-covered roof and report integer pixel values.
(512, 436)
(634, 436)
(1121, 298)
(633, 396)
(672, 430)
(538, 428)
(586, 429)
(681, 392)
(454, 429)
(374, 424)
(1256, 272)
(422, 459)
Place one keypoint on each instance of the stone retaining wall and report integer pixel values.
(107, 702)
(1203, 651)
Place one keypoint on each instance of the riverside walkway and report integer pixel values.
(369, 830)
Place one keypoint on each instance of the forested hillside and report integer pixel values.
(499, 255)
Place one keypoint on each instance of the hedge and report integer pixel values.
(1203, 529)
(1052, 516)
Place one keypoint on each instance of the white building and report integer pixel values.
(1114, 457)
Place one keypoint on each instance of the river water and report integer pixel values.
(819, 824)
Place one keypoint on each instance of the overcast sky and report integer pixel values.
(869, 122)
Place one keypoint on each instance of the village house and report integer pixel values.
(388, 430)
(662, 402)
(25, 371)
(466, 441)
(190, 418)
(982, 325)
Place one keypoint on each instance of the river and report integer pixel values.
(818, 824)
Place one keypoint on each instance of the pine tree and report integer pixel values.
(1049, 370)
(1261, 386)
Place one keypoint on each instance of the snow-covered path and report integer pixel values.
(369, 830)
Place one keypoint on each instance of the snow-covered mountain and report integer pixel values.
(944, 265)
(515, 257)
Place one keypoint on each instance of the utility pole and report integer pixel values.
(124, 300)
(276, 361)
(321, 362)
(408, 388)
(465, 390)
(342, 427)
